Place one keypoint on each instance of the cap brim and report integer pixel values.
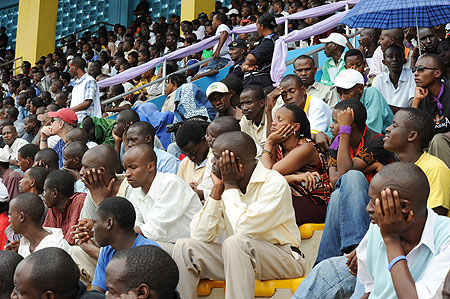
(324, 40)
(344, 85)
(52, 114)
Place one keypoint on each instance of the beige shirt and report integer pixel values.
(169, 103)
(264, 212)
(258, 133)
(190, 172)
(326, 93)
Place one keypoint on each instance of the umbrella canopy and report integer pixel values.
(388, 14)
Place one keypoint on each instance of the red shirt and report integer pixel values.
(4, 223)
(65, 220)
(11, 180)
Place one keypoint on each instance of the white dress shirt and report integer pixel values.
(165, 212)
(432, 280)
(55, 239)
(13, 150)
(396, 96)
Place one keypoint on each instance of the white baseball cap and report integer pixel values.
(348, 78)
(336, 38)
(232, 11)
(216, 87)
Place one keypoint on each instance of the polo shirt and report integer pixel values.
(399, 96)
(428, 262)
(236, 70)
(107, 253)
(330, 70)
(441, 119)
(379, 114)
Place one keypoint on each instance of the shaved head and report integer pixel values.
(143, 151)
(104, 156)
(241, 144)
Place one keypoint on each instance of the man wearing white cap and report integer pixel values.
(350, 85)
(219, 96)
(334, 48)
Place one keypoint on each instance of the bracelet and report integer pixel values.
(267, 152)
(395, 260)
(44, 139)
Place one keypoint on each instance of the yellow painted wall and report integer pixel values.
(191, 8)
(36, 29)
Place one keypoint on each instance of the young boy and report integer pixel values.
(73, 153)
(26, 156)
(25, 212)
(398, 85)
(350, 85)
(254, 120)
(356, 154)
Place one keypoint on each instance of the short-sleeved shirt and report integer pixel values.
(264, 52)
(379, 114)
(236, 70)
(106, 254)
(399, 96)
(441, 119)
(220, 28)
(438, 175)
(370, 150)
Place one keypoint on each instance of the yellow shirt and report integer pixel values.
(258, 133)
(438, 175)
(140, 83)
(190, 172)
(264, 212)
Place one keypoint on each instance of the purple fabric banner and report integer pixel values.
(211, 41)
(280, 52)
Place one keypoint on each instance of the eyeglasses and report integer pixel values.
(422, 68)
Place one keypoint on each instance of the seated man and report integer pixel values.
(190, 137)
(114, 231)
(99, 130)
(26, 155)
(48, 159)
(144, 270)
(52, 273)
(26, 211)
(64, 204)
(8, 263)
(254, 206)
(12, 143)
(254, 121)
(73, 154)
(305, 68)
(62, 121)
(432, 96)
(350, 85)
(33, 181)
(292, 90)
(398, 211)
(143, 132)
(78, 134)
(334, 48)
(124, 120)
(356, 154)
(12, 113)
(398, 85)
(219, 96)
(32, 127)
(164, 203)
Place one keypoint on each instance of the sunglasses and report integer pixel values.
(422, 68)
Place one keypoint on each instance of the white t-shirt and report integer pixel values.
(223, 27)
(396, 97)
(55, 239)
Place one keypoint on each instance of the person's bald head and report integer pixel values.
(102, 157)
(47, 273)
(8, 263)
(143, 152)
(241, 144)
(221, 125)
(76, 134)
(408, 180)
(391, 37)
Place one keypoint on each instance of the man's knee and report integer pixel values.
(234, 244)
(353, 177)
(182, 246)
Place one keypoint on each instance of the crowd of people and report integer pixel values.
(132, 201)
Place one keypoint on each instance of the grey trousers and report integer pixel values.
(239, 261)
(440, 147)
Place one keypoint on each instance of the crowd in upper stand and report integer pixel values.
(142, 202)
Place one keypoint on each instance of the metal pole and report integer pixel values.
(286, 27)
(164, 76)
(347, 29)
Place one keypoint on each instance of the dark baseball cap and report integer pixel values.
(238, 43)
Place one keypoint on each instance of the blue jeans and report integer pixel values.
(347, 221)
(217, 63)
(328, 279)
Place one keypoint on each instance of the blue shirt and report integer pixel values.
(106, 254)
(59, 149)
(166, 162)
(379, 114)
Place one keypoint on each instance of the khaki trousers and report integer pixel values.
(85, 263)
(238, 261)
(167, 247)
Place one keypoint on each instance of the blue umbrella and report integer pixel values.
(388, 14)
